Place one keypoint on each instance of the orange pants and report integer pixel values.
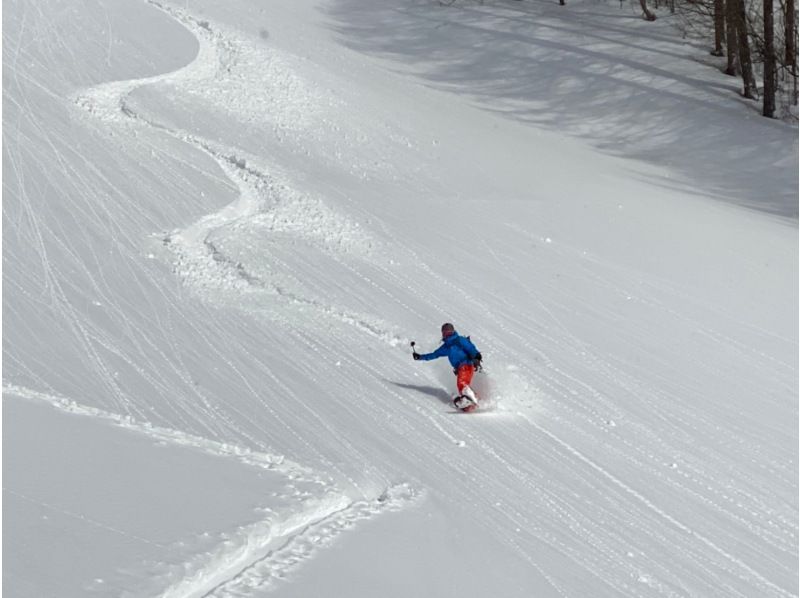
(464, 375)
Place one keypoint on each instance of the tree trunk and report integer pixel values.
(769, 61)
(790, 31)
(648, 16)
(719, 26)
(791, 59)
(745, 61)
(731, 38)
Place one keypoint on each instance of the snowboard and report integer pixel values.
(469, 408)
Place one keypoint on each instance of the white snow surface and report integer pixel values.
(224, 222)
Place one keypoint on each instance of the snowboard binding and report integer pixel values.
(465, 404)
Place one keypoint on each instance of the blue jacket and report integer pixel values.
(458, 349)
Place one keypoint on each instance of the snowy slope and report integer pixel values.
(223, 225)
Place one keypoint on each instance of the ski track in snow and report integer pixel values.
(258, 555)
(253, 560)
(773, 528)
(660, 512)
(267, 552)
(266, 201)
(272, 461)
(263, 199)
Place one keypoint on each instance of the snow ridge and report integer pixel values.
(257, 555)
(260, 554)
(264, 460)
(267, 203)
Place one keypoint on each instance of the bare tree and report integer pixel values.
(789, 26)
(731, 38)
(769, 61)
(790, 44)
(646, 13)
(759, 37)
(745, 58)
(719, 26)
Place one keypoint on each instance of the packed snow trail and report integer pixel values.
(245, 243)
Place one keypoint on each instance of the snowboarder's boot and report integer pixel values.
(470, 394)
(465, 403)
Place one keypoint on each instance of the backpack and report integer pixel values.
(478, 366)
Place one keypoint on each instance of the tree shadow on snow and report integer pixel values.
(631, 89)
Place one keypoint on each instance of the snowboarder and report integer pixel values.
(465, 359)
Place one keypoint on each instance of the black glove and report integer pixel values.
(477, 361)
(416, 356)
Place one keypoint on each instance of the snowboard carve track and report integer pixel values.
(265, 200)
(258, 555)
(267, 552)
(263, 460)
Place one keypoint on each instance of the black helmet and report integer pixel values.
(448, 329)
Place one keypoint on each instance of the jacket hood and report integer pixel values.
(451, 339)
